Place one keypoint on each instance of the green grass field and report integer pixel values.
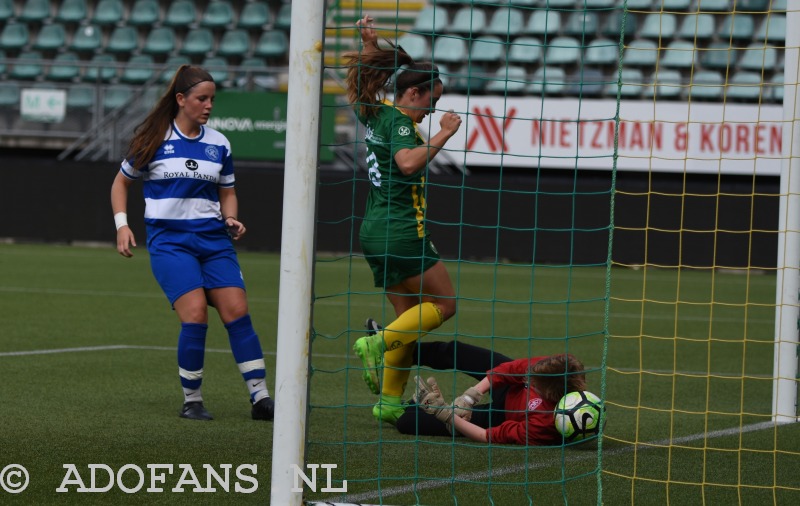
(87, 360)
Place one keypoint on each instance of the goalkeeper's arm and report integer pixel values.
(470, 430)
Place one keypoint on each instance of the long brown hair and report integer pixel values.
(557, 375)
(150, 133)
(369, 73)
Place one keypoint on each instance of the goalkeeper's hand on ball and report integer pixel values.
(430, 399)
(466, 401)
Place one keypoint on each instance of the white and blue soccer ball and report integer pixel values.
(579, 415)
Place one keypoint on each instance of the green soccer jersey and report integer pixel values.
(396, 202)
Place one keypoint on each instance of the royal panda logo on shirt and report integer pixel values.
(191, 165)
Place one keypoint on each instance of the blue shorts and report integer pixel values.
(184, 261)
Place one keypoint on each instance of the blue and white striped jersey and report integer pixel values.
(181, 183)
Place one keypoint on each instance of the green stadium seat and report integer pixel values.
(431, 20)
(679, 54)
(35, 11)
(706, 85)
(181, 13)
(65, 67)
(415, 45)
(171, 66)
(525, 50)
(86, 39)
(2, 63)
(715, 5)
(506, 22)
(138, 70)
(632, 85)
(636, 5)
(697, 26)
(658, 26)
(284, 18)
(601, 4)
(673, 5)
(582, 23)
(543, 22)
(160, 41)
(468, 21)
(738, 27)
(471, 79)
(29, 66)
(51, 37)
(218, 14)
(522, 3)
(198, 41)
(272, 44)
(555, 4)
(255, 15)
(779, 5)
(510, 80)
(102, 69)
(81, 97)
(218, 68)
(547, 81)
(666, 83)
(776, 83)
(251, 69)
(123, 40)
(759, 57)
(602, 52)
(72, 11)
(7, 10)
(588, 82)
(641, 53)
(613, 28)
(144, 13)
(719, 56)
(116, 97)
(9, 94)
(234, 43)
(773, 29)
(14, 36)
(487, 49)
(108, 12)
(562, 51)
(449, 50)
(752, 5)
(747, 87)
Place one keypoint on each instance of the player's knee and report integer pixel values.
(447, 307)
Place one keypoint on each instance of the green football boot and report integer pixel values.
(388, 409)
(370, 350)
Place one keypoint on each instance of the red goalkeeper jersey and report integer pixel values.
(529, 417)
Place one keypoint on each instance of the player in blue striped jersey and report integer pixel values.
(191, 216)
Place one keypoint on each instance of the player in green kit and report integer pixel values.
(394, 235)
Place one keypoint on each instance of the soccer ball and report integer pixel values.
(579, 415)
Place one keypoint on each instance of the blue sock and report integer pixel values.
(191, 351)
(249, 358)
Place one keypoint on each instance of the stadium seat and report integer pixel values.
(582, 23)
(234, 43)
(776, 83)
(641, 53)
(747, 87)
(160, 41)
(600, 4)
(2, 62)
(415, 45)
(666, 83)
(138, 69)
(115, 97)
(254, 15)
(86, 39)
(674, 5)
(72, 11)
(81, 97)
(449, 50)
(431, 20)
(144, 13)
(522, 3)
(218, 14)
(468, 21)
(719, 56)
(697, 27)
(706, 85)
(738, 27)
(773, 29)
(510, 80)
(613, 28)
(29, 66)
(554, 4)
(525, 50)
(35, 11)
(250, 70)
(487, 49)
(171, 66)
(632, 85)
(716, 5)
(506, 23)
(602, 52)
(679, 54)
(108, 12)
(658, 26)
(272, 44)
(180, 14)
(51, 37)
(752, 5)
(9, 94)
(123, 40)
(64, 68)
(635, 5)
(217, 67)
(588, 82)
(471, 79)
(779, 5)
(284, 18)
(543, 22)
(7, 10)
(198, 41)
(102, 69)
(562, 51)
(759, 57)
(547, 81)
(14, 36)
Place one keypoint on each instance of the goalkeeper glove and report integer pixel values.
(430, 399)
(466, 401)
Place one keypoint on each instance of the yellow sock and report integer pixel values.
(396, 369)
(411, 325)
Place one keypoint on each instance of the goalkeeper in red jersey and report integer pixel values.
(523, 392)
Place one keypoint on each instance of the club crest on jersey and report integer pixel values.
(534, 403)
(212, 153)
(404, 130)
(169, 149)
(191, 165)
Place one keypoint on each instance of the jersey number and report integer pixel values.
(374, 170)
